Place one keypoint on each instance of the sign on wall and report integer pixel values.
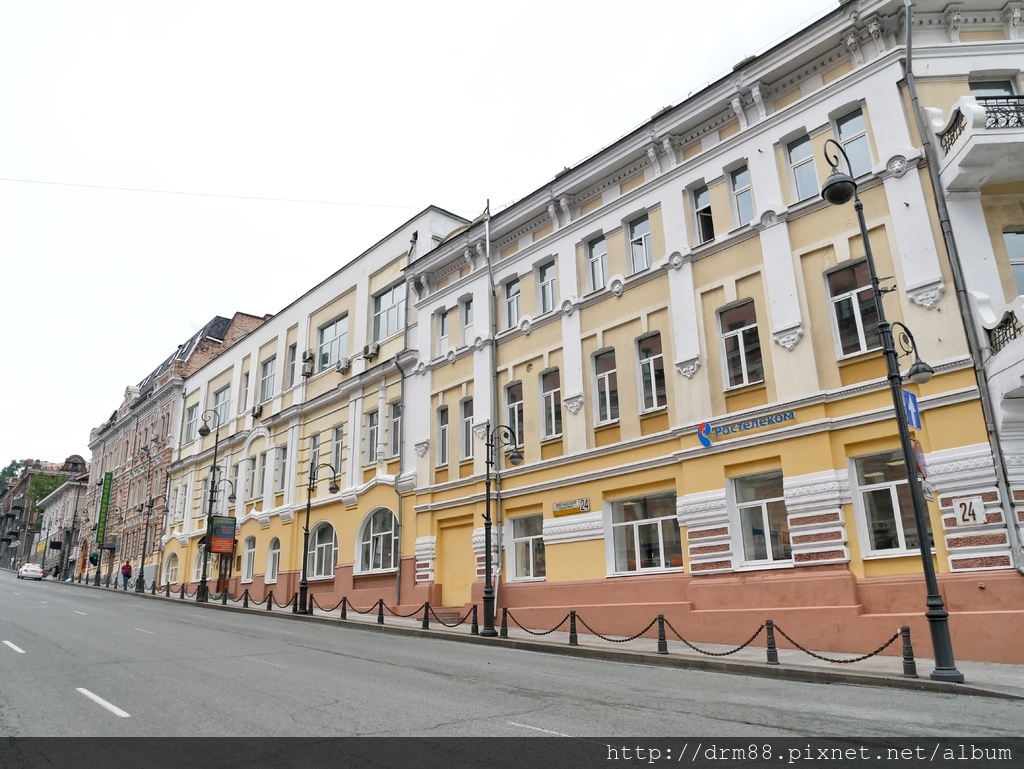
(222, 534)
(571, 506)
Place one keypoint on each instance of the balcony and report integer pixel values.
(982, 142)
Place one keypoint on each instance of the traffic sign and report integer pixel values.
(913, 412)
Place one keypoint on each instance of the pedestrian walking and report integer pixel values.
(126, 573)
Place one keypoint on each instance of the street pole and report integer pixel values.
(304, 607)
(202, 593)
(502, 436)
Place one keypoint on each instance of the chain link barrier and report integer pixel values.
(615, 640)
(373, 607)
(394, 613)
(716, 654)
(449, 624)
(539, 632)
(879, 650)
(313, 602)
(286, 605)
(254, 602)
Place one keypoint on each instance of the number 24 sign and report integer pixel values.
(969, 510)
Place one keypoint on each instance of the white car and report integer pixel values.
(30, 571)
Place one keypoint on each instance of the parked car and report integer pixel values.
(30, 571)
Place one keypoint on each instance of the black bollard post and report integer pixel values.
(245, 598)
(426, 617)
(344, 607)
(573, 639)
(773, 652)
(662, 642)
(380, 611)
(167, 590)
(182, 591)
(474, 629)
(503, 632)
(224, 597)
(909, 665)
(295, 603)
(152, 590)
(270, 601)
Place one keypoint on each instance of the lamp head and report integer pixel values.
(334, 488)
(232, 498)
(204, 430)
(515, 458)
(920, 372)
(839, 188)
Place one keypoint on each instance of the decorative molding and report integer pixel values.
(928, 295)
(666, 147)
(617, 284)
(676, 261)
(688, 368)
(737, 107)
(574, 403)
(1011, 20)
(574, 528)
(480, 431)
(526, 325)
(563, 203)
(421, 447)
(755, 92)
(954, 17)
(569, 305)
(769, 219)
(788, 338)
(553, 213)
(897, 166)
(420, 368)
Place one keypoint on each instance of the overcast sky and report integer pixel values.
(165, 162)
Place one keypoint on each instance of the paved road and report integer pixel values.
(82, 662)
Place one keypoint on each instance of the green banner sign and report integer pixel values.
(101, 521)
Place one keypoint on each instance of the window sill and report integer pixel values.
(879, 555)
(270, 581)
(374, 572)
(645, 572)
(736, 389)
(518, 580)
(762, 566)
(320, 579)
(550, 439)
(655, 410)
(857, 357)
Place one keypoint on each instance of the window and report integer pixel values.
(332, 342)
(884, 496)
(267, 379)
(377, 545)
(742, 195)
(741, 344)
(171, 569)
(389, 312)
(652, 373)
(551, 403)
(639, 244)
(607, 387)
(273, 561)
(597, 263)
(372, 427)
(645, 534)
(853, 135)
(280, 468)
(250, 478)
(528, 546)
(801, 164)
(261, 474)
(293, 356)
(514, 410)
(395, 430)
(337, 442)
(467, 429)
(1014, 240)
(764, 523)
(702, 211)
(322, 556)
(249, 559)
(546, 275)
(442, 435)
(512, 304)
(197, 567)
(854, 310)
(191, 418)
(467, 321)
(243, 395)
(990, 88)
(220, 406)
(314, 450)
(442, 331)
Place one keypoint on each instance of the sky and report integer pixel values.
(165, 162)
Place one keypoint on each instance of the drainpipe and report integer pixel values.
(963, 301)
(493, 417)
(401, 444)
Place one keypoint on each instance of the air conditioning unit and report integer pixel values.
(307, 369)
(257, 411)
(343, 365)
(371, 351)
(308, 356)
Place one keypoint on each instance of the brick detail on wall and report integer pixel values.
(975, 544)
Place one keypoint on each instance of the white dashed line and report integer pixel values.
(538, 729)
(103, 703)
(42, 602)
(81, 612)
(144, 631)
(257, 659)
(8, 643)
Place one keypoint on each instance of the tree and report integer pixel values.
(13, 471)
(41, 486)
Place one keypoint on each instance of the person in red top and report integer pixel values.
(126, 573)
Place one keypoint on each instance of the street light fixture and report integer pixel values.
(304, 607)
(838, 190)
(501, 436)
(202, 594)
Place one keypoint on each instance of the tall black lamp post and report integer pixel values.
(70, 540)
(202, 594)
(502, 435)
(147, 506)
(304, 607)
(103, 545)
(839, 189)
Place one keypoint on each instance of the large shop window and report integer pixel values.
(377, 542)
(645, 534)
(764, 522)
(528, 547)
(322, 556)
(884, 498)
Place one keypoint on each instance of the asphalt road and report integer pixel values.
(86, 662)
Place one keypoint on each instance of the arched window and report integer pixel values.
(273, 560)
(171, 569)
(197, 567)
(323, 552)
(249, 559)
(378, 550)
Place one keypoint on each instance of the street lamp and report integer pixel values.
(140, 582)
(501, 436)
(838, 190)
(70, 540)
(103, 545)
(202, 594)
(310, 488)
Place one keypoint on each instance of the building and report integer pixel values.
(679, 337)
(64, 525)
(22, 509)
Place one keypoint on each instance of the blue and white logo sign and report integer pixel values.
(706, 432)
(913, 412)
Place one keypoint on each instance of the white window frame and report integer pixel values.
(863, 490)
(853, 297)
(640, 242)
(742, 195)
(372, 419)
(761, 507)
(375, 540)
(798, 167)
(547, 280)
(442, 436)
(515, 412)
(513, 303)
(389, 312)
(856, 144)
(250, 479)
(467, 321)
(443, 319)
(248, 559)
(606, 384)
(332, 342)
(551, 404)
(243, 399)
(395, 429)
(526, 547)
(273, 561)
(221, 401)
(466, 415)
(702, 215)
(651, 367)
(742, 338)
(653, 554)
(597, 263)
(171, 569)
(1013, 240)
(337, 447)
(281, 468)
(191, 421)
(322, 556)
(267, 369)
(261, 474)
(293, 357)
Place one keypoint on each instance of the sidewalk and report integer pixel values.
(988, 679)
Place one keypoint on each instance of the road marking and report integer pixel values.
(81, 612)
(42, 602)
(103, 703)
(8, 643)
(144, 631)
(538, 729)
(257, 659)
